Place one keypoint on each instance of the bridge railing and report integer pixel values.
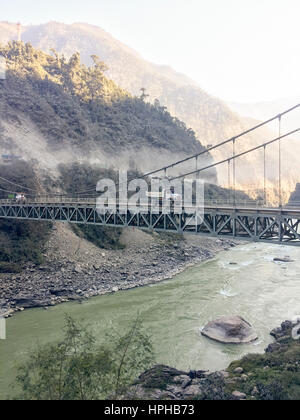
(51, 200)
(61, 200)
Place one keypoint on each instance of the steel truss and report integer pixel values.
(259, 225)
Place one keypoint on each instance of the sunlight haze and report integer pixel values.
(241, 51)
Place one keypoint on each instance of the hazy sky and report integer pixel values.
(239, 50)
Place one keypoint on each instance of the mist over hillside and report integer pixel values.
(57, 110)
(212, 120)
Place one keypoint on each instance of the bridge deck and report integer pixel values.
(246, 222)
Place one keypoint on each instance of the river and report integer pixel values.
(244, 280)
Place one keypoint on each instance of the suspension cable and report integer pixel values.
(239, 155)
(265, 177)
(279, 162)
(207, 150)
(17, 185)
(172, 165)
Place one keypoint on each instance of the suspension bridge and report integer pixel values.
(241, 219)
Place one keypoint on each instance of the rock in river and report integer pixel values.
(285, 260)
(230, 330)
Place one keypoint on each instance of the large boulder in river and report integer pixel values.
(230, 330)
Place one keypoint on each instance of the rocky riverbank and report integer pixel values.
(75, 269)
(274, 375)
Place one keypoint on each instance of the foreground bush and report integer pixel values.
(76, 368)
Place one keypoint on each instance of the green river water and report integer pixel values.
(264, 292)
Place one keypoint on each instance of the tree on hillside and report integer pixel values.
(71, 103)
(100, 66)
(157, 103)
(144, 95)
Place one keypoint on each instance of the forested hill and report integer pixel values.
(55, 109)
(65, 125)
(211, 119)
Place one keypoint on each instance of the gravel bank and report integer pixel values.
(75, 269)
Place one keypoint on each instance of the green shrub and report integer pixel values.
(6, 267)
(101, 236)
(22, 241)
(276, 375)
(77, 368)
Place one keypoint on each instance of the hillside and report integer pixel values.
(210, 118)
(58, 110)
(70, 125)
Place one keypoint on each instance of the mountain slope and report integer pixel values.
(211, 119)
(56, 110)
(71, 126)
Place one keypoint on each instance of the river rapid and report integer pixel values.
(243, 281)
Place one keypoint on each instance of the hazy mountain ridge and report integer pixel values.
(68, 122)
(130, 71)
(212, 120)
(265, 110)
(57, 110)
